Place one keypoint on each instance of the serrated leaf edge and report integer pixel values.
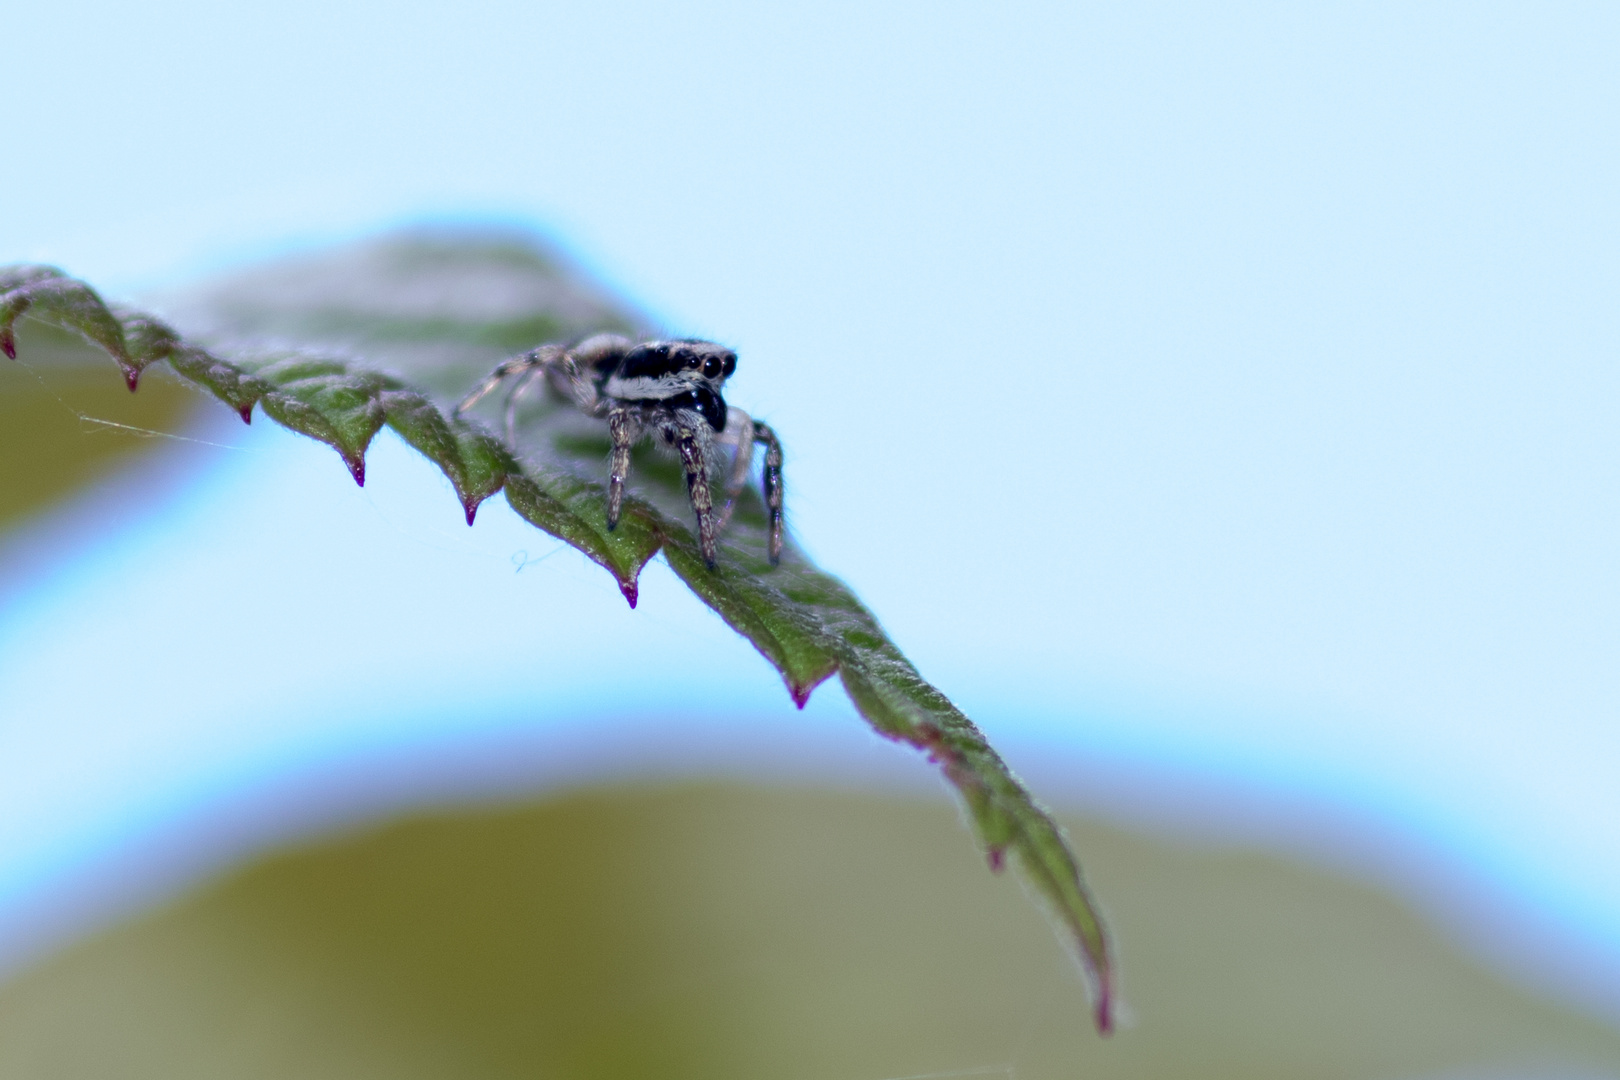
(884, 687)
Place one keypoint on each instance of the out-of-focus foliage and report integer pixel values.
(719, 932)
(804, 621)
(63, 422)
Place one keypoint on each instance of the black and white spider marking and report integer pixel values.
(668, 389)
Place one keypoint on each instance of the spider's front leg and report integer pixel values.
(697, 489)
(623, 429)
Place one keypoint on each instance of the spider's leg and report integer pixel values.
(697, 489)
(740, 430)
(772, 484)
(519, 388)
(623, 429)
(573, 384)
(507, 368)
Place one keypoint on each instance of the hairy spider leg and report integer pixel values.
(519, 388)
(740, 430)
(504, 370)
(623, 428)
(772, 484)
(697, 488)
(569, 381)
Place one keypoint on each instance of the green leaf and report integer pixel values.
(575, 512)
(325, 400)
(65, 303)
(475, 463)
(755, 602)
(806, 623)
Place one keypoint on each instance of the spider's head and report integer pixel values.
(687, 361)
(686, 373)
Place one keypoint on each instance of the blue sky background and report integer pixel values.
(1233, 391)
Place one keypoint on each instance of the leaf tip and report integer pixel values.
(472, 500)
(132, 377)
(246, 412)
(800, 692)
(998, 858)
(357, 467)
(631, 591)
(1105, 1008)
(8, 342)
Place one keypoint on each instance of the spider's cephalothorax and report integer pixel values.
(668, 389)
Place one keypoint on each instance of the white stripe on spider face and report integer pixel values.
(654, 388)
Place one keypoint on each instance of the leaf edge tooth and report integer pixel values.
(628, 577)
(1085, 927)
(800, 690)
(686, 561)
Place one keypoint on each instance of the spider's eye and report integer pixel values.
(711, 366)
(730, 363)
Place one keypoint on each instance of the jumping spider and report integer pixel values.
(670, 389)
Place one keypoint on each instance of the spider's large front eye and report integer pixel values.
(711, 367)
(729, 365)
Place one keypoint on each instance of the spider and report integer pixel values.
(670, 389)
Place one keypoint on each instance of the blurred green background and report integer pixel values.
(718, 929)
